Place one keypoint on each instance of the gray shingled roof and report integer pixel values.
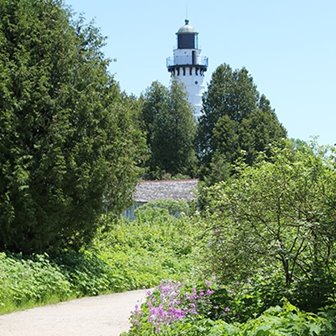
(156, 190)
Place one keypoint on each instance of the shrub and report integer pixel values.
(173, 318)
(278, 217)
(174, 208)
(87, 274)
(170, 302)
(153, 247)
(287, 320)
(133, 255)
(30, 281)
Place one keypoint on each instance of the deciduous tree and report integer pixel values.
(279, 215)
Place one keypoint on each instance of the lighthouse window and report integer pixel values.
(186, 41)
(196, 82)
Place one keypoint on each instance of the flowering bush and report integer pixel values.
(172, 301)
(285, 321)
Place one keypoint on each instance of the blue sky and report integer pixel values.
(288, 46)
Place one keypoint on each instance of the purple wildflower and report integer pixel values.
(170, 303)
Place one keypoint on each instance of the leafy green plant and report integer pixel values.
(287, 320)
(87, 273)
(174, 208)
(276, 321)
(30, 281)
(153, 247)
(277, 218)
(130, 255)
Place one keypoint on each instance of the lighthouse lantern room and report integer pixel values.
(188, 66)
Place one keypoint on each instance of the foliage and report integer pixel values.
(153, 247)
(87, 273)
(170, 127)
(39, 279)
(287, 320)
(241, 301)
(171, 310)
(171, 302)
(236, 123)
(67, 140)
(174, 208)
(131, 255)
(28, 281)
(278, 218)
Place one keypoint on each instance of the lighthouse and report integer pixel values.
(188, 66)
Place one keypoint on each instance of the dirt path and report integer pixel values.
(105, 315)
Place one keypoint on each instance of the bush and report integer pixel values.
(174, 208)
(169, 303)
(276, 220)
(172, 311)
(288, 320)
(30, 281)
(87, 274)
(132, 255)
(153, 247)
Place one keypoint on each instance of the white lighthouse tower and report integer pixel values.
(188, 66)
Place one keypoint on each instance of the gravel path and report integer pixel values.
(105, 315)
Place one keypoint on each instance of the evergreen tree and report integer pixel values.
(259, 130)
(170, 127)
(236, 121)
(155, 102)
(67, 140)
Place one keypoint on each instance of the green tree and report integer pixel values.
(170, 127)
(155, 99)
(236, 122)
(259, 130)
(67, 140)
(226, 142)
(279, 215)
